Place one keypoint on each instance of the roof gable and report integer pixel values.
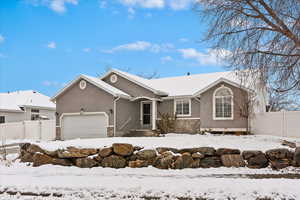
(145, 83)
(98, 83)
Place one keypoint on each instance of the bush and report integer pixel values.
(166, 124)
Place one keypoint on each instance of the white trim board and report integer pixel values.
(190, 107)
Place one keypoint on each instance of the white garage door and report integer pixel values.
(84, 126)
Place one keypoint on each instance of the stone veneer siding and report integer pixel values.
(110, 131)
(187, 126)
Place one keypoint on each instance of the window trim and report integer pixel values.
(214, 104)
(190, 107)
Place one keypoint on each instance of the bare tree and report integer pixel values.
(283, 101)
(262, 35)
(149, 75)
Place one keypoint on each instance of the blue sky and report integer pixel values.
(46, 43)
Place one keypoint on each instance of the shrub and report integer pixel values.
(166, 124)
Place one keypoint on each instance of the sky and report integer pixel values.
(44, 44)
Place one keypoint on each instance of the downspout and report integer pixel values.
(198, 99)
(115, 114)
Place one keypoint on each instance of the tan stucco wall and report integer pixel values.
(127, 110)
(91, 99)
(129, 87)
(167, 106)
(206, 110)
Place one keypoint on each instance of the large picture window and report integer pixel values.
(183, 107)
(223, 104)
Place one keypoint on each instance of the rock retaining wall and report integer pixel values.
(121, 155)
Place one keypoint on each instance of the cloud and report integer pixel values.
(183, 40)
(53, 84)
(144, 3)
(141, 46)
(2, 38)
(166, 59)
(131, 13)
(159, 4)
(86, 50)
(51, 45)
(102, 4)
(58, 6)
(210, 57)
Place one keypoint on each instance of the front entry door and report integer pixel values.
(146, 114)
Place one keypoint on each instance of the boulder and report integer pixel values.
(163, 162)
(146, 154)
(213, 161)
(197, 155)
(233, 160)
(138, 163)
(224, 151)
(137, 148)
(207, 151)
(106, 151)
(113, 161)
(26, 157)
(73, 152)
(98, 158)
(33, 148)
(161, 150)
(258, 161)
(85, 162)
(123, 149)
(51, 153)
(280, 153)
(280, 164)
(184, 161)
(289, 144)
(297, 157)
(24, 146)
(43, 159)
(188, 150)
(249, 154)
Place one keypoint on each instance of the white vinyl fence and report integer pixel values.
(284, 124)
(35, 130)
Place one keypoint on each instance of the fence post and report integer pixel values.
(24, 130)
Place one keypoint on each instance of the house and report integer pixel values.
(25, 105)
(120, 102)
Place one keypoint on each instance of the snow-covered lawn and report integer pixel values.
(106, 183)
(117, 184)
(250, 142)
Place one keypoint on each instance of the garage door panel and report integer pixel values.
(84, 126)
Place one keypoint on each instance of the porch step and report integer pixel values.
(142, 133)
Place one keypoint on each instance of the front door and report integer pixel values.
(146, 115)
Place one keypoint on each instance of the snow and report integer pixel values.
(182, 85)
(14, 100)
(249, 142)
(136, 183)
(77, 183)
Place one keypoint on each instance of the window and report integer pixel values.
(183, 107)
(223, 104)
(2, 119)
(35, 114)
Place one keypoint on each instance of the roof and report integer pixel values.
(137, 80)
(184, 85)
(98, 83)
(14, 100)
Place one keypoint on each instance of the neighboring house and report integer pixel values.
(119, 102)
(25, 105)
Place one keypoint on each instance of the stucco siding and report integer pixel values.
(91, 99)
(167, 106)
(129, 87)
(128, 116)
(206, 110)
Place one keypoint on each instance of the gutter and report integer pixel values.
(115, 114)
